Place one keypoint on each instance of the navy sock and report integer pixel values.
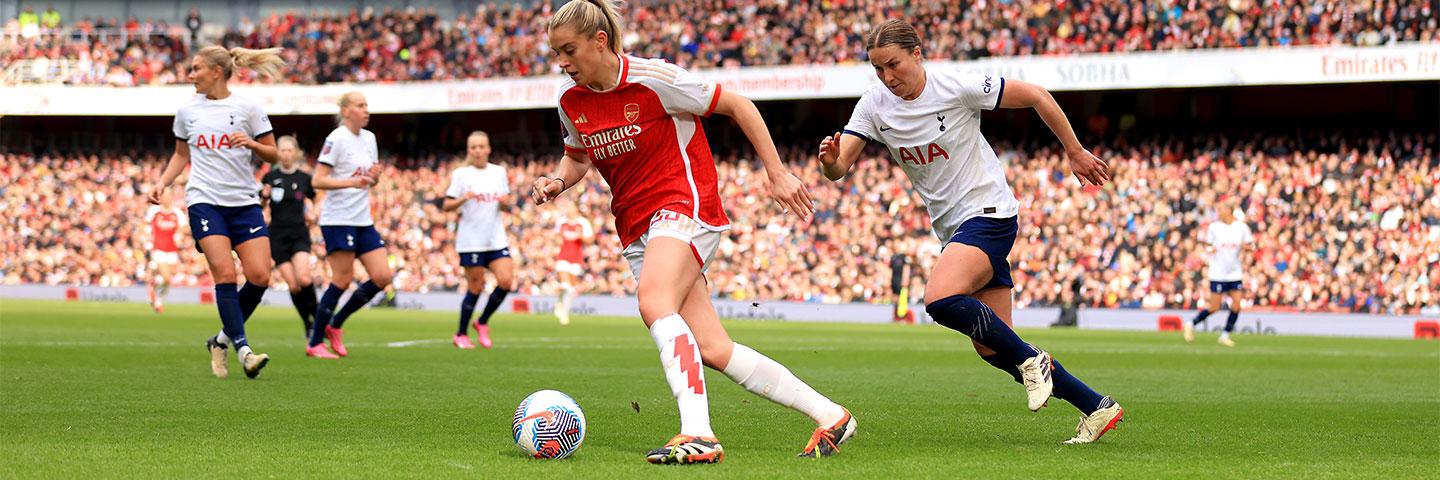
(323, 313)
(1204, 313)
(467, 310)
(232, 319)
(1230, 322)
(1071, 389)
(969, 316)
(357, 300)
(497, 297)
(250, 296)
(1004, 366)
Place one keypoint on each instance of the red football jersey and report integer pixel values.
(644, 137)
(572, 240)
(164, 223)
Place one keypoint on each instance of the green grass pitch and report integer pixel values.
(100, 390)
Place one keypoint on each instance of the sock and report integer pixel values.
(231, 316)
(324, 311)
(222, 338)
(969, 316)
(242, 352)
(680, 358)
(1200, 317)
(357, 301)
(1071, 389)
(467, 310)
(768, 378)
(563, 306)
(1005, 366)
(1230, 322)
(497, 296)
(304, 301)
(250, 296)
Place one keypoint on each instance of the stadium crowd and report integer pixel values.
(1350, 225)
(501, 40)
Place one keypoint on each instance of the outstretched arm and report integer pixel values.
(1087, 168)
(785, 188)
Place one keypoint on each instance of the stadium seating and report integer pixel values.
(1352, 225)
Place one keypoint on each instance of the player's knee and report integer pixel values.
(382, 279)
(223, 276)
(653, 307)
(257, 278)
(303, 280)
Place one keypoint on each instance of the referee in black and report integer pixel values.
(286, 189)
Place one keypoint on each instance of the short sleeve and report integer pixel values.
(862, 120)
(330, 152)
(182, 131)
(679, 90)
(978, 92)
(455, 190)
(504, 181)
(570, 134)
(1210, 234)
(1249, 236)
(259, 122)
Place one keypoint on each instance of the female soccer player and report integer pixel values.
(348, 167)
(1226, 239)
(574, 231)
(477, 190)
(288, 192)
(164, 220)
(637, 121)
(930, 121)
(217, 133)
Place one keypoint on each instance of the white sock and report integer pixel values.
(1224, 335)
(223, 339)
(680, 356)
(768, 378)
(566, 296)
(245, 350)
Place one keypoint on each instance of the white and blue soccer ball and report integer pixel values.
(549, 424)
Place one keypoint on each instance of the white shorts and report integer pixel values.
(164, 258)
(703, 241)
(572, 268)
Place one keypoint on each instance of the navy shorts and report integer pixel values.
(1222, 287)
(344, 238)
(241, 224)
(483, 259)
(995, 237)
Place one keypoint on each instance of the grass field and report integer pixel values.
(112, 390)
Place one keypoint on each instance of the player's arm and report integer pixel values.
(264, 147)
(838, 153)
(323, 181)
(785, 187)
(454, 197)
(1087, 168)
(178, 161)
(571, 170)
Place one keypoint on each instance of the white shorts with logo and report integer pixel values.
(703, 241)
(564, 266)
(158, 257)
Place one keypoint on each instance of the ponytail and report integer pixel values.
(266, 62)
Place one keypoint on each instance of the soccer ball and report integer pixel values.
(548, 424)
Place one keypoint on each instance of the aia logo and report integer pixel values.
(213, 141)
(917, 156)
(632, 111)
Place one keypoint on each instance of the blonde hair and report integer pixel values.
(266, 61)
(290, 139)
(477, 133)
(345, 100)
(588, 17)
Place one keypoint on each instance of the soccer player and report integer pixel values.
(637, 121)
(287, 191)
(929, 119)
(218, 133)
(478, 189)
(574, 231)
(1226, 239)
(349, 165)
(164, 220)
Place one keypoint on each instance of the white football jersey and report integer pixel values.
(1227, 240)
(348, 155)
(481, 229)
(936, 140)
(221, 173)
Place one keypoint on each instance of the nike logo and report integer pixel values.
(885, 129)
(256, 229)
(546, 415)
